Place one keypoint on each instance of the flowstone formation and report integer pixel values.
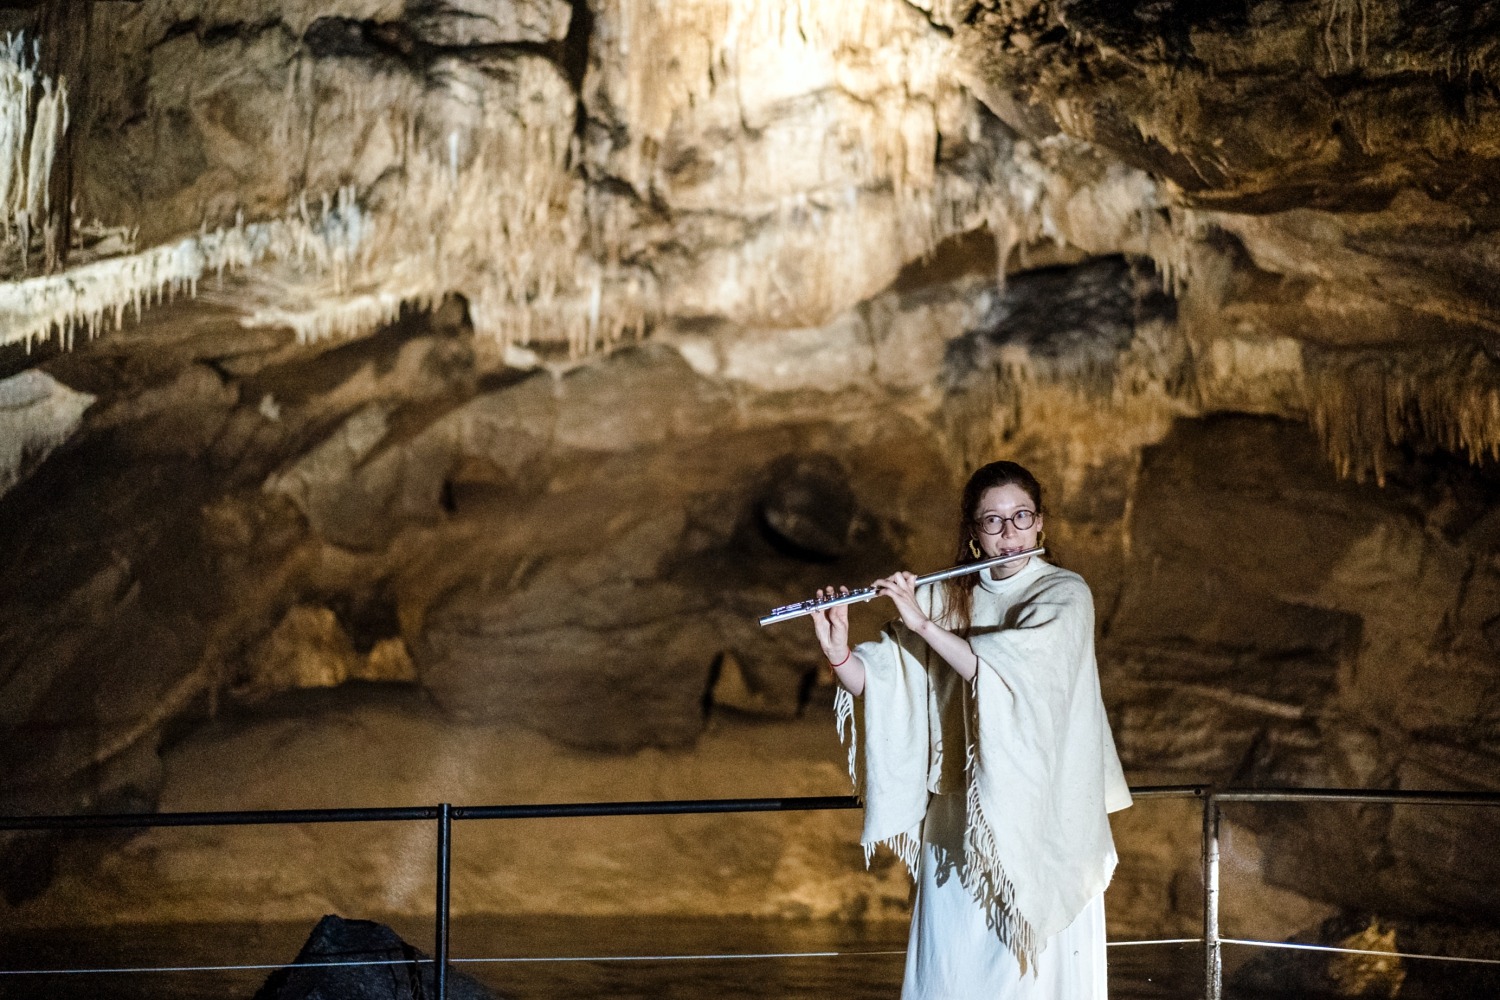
(420, 402)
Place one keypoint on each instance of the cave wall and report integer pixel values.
(554, 343)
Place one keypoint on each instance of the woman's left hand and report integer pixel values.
(902, 588)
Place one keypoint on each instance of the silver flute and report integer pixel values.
(801, 608)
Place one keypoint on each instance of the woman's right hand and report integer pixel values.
(832, 626)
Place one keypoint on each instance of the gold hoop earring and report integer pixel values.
(974, 549)
(1041, 539)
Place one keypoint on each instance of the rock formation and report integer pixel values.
(487, 369)
(406, 972)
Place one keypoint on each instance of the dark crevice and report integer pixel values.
(224, 33)
(180, 28)
(399, 42)
(575, 47)
(715, 671)
(366, 618)
(575, 60)
(946, 30)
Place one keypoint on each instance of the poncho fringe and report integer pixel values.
(985, 879)
(904, 845)
(983, 875)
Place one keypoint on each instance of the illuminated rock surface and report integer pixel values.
(538, 348)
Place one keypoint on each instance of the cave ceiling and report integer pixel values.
(1310, 178)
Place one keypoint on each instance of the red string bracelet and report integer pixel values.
(835, 666)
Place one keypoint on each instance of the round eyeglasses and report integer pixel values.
(993, 524)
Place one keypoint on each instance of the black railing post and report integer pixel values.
(1213, 961)
(444, 871)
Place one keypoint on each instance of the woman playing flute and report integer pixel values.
(979, 743)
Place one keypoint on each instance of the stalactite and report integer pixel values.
(500, 211)
(28, 149)
(1346, 33)
(1092, 406)
(95, 296)
(348, 317)
(46, 134)
(825, 120)
(1175, 247)
(1364, 404)
(1259, 375)
(17, 77)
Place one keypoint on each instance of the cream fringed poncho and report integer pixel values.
(1027, 742)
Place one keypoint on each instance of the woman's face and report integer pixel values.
(1006, 502)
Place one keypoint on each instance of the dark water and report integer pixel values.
(859, 972)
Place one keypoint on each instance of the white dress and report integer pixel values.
(952, 953)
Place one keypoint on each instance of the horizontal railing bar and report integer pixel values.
(562, 810)
(726, 957)
(257, 967)
(1337, 950)
(313, 964)
(254, 817)
(1169, 791)
(704, 806)
(1386, 797)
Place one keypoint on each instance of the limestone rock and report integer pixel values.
(449, 23)
(306, 649)
(37, 414)
(1070, 324)
(829, 358)
(838, 137)
(644, 396)
(388, 660)
(1320, 974)
(1298, 143)
(798, 866)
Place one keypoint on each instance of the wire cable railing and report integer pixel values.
(445, 814)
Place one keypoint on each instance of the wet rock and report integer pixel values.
(1326, 976)
(404, 972)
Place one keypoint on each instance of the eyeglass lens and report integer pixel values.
(993, 524)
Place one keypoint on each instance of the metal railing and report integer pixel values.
(445, 814)
(1213, 799)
